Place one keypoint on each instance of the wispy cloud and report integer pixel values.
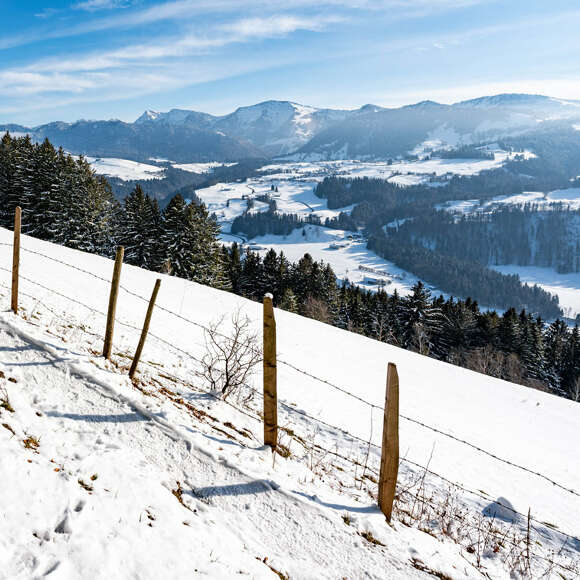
(188, 44)
(190, 9)
(138, 69)
(97, 5)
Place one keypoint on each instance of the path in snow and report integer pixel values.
(91, 429)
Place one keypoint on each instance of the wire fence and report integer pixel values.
(289, 408)
(281, 361)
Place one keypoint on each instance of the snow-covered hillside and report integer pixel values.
(124, 169)
(106, 478)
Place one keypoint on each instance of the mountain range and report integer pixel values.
(287, 129)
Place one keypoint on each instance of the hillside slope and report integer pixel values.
(245, 512)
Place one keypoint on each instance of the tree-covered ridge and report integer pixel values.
(385, 195)
(464, 278)
(527, 236)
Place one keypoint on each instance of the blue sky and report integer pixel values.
(71, 59)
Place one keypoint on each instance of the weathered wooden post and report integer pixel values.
(390, 447)
(108, 346)
(145, 330)
(270, 375)
(16, 259)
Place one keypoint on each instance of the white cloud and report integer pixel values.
(187, 10)
(96, 5)
(237, 31)
(161, 65)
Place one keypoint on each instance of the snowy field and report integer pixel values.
(422, 169)
(124, 169)
(99, 498)
(568, 197)
(349, 258)
(565, 286)
(200, 167)
(127, 170)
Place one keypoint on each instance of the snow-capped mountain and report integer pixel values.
(276, 127)
(279, 127)
(285, 128)
(395, 132)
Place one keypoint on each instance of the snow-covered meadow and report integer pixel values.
(127, 170)
(243, 512)
(567, 197)
(124, 169)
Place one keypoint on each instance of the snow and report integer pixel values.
(200, 167)
(443, 137)
(293, 196)
(350, 259)
(246, 511)
(565, 286)
(568, 197)
(571, 194)
(125, 169)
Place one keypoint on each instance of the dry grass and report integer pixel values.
(280, 575)
(85, 486)
(31, 442)
(5, 401)
(6, 426)
(371, 539)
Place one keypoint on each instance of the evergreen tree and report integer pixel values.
(140, 229)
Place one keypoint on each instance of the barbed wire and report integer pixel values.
(424, 468)
(478, 529)
(24, 249)
(131, 293)
(431, 428)
(295, 368)
(122, 323)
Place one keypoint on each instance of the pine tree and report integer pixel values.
(420, 319)
(189, 243)
(139, 230)
(8, 200)
(289, 301)
(250, 279)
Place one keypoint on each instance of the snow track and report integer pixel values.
(87, 427)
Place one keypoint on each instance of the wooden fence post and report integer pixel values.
(270, 376)
(145, 330)
(16, 258)
(390, 447)
(108, 346)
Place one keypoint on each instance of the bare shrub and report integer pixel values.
(230, 358)
(316, 309)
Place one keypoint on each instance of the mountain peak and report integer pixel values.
(370, 108)
(427, 104)
(506, 99)
(148, 115)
